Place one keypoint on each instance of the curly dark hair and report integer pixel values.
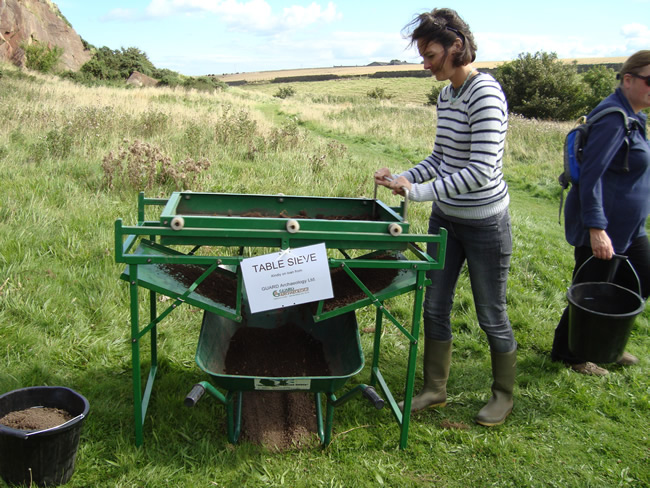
(444, 26)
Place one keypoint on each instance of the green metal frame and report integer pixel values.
(148, 243)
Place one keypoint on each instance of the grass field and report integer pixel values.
(345, 71)
(72, 161)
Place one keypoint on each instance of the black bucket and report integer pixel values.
(601, 317)
(45, 457)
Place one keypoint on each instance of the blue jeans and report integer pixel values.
(486, 246)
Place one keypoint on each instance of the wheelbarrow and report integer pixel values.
(341, 350)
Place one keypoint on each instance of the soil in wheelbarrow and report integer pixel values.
(278, 420)
(37, 418)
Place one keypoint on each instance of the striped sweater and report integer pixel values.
(463, 175)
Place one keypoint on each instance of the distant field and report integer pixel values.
(368, 70)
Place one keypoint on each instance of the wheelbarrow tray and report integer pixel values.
(339, 337)
(255, 220)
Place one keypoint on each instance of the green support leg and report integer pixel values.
(135, 354)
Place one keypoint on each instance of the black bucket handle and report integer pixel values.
(612, 270)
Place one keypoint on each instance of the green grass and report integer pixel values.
(64, 313)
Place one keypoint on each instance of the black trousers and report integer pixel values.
(638, 254)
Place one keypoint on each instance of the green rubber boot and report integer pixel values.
(437, 358)
(504, 366)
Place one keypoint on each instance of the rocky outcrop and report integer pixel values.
(140, 80)
(28, 21)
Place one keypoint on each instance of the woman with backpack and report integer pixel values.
(606, 210)
(463, 178)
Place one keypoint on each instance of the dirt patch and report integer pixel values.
(278, 420)
(36, 418)
(449, 425)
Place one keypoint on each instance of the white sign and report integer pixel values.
(288, 384)
(287, 278)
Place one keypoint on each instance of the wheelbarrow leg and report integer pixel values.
(234, 416)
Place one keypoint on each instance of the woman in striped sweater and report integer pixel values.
(463, 177)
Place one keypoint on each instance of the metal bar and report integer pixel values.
(153, 338)
(376, 302)
(376, 346)
(282, 234)
(412, 356)
(319, 418)
(329, 418)
(397, 413)
(138, 414)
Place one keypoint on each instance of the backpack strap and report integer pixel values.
(630, 123)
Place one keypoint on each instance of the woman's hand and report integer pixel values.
(399, 185)
(383, 177)
(601, 244)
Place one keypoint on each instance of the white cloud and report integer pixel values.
(251, 15)
(637, 36)
(505, 47)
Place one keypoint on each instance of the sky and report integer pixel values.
(200, 37)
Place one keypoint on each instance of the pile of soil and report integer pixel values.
(217, 287)
(36, 418)
(223, 289)
(347, 291)
(279, 420)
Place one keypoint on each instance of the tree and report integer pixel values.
(601, 81)
(108, 64)
(541, 86)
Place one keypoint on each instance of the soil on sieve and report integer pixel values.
(36, 418)
(284, 214)
(276, 419)
(223, 289)
(346, 291)
(217, 287)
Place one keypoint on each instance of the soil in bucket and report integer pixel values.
(601, 318)
(39, 434)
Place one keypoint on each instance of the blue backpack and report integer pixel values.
(574, 144)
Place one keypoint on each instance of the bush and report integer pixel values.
(108, 64)
(432, 96)
(40, 57)
(601, 81)
(142, 165)
(540, 86)
(379, 94)
(204, 83)
(285, 92)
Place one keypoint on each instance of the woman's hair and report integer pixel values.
(635, 63)
(444, 26)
